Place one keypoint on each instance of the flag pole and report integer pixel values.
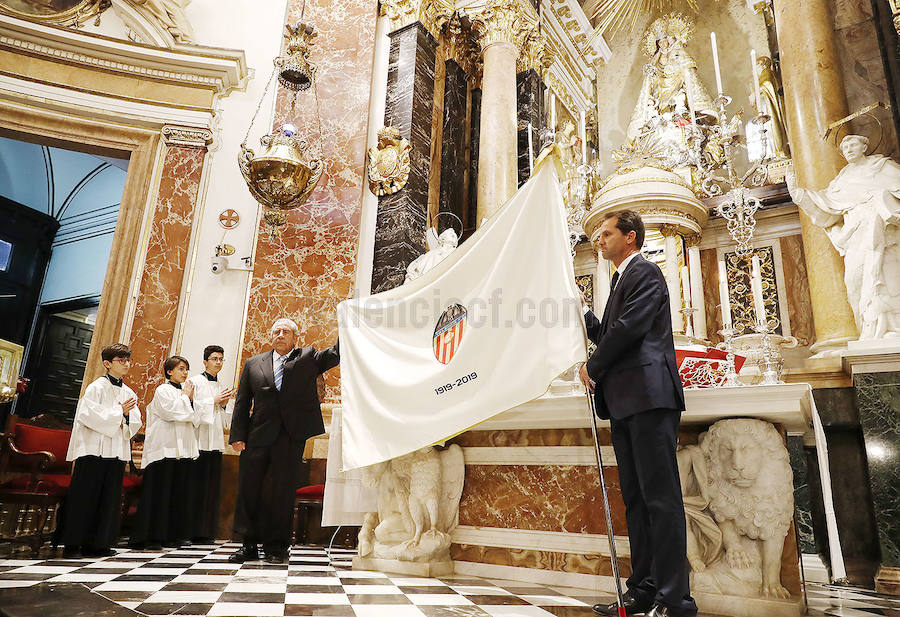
(613, 556)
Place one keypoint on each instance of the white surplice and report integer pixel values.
(214, 419)
(100, 428)
(171, 424)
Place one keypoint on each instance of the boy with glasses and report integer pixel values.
(106, 419)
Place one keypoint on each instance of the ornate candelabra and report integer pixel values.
(731, 376)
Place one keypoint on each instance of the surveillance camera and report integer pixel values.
(219, 264)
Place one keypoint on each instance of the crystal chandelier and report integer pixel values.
(284, 174)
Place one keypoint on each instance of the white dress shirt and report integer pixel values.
(214, 419)
(624, 264)
(276, 357)
(100, 428)
(171, 423)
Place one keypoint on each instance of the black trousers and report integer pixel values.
(92, 509)
(164, 514)
(648, 475)
(206, 484)
(266, 516)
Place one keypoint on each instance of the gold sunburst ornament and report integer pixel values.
(615, 15)
(675, 25)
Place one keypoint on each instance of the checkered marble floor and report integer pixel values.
(198, 580)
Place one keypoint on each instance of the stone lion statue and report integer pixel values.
(739, 504)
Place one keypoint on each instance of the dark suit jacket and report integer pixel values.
(634, 363)
(295, 408)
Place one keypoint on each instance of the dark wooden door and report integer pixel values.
(61, 356)
(26, 234)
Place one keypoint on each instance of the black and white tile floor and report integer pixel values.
(198, 580)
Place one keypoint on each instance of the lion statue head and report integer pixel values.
(750, 477)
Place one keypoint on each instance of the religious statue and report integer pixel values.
(170, 15)
(773, 106)
(860, 212)
(738, 503)
(670, 84)
(418, 503)
(439, 246)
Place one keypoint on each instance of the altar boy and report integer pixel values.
(213, 402)
(106, 419)
(164, 516)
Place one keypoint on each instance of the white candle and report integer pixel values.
(715, 51)
(724, 300)
(530, 151)
(583, 136)
(756, 285)
(686, 287)
(759, 108)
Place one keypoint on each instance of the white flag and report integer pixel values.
(483, 331)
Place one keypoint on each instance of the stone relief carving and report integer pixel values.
(170, 16)
(739, 504)
(418, 505)
(388, 167)
(860, 212)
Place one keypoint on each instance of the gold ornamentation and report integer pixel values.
(186, 136)
(285, 174)
(669, 212)
(62, 12)
(669, 230)
(229, 218)
(432, 14)
(389, 164)
(504, 21)
(610, 185)
(535, 54)
(692, 240)
(675, 25)
(741, 296)
(458, 44)
(294, 70)
(614, 15)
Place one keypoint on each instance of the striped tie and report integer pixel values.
(279, 372)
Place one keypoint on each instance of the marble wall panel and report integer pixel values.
(453, 146)
(540, 497)
(309, 267)
(709, 268)
(435, 170)
(878, 400)
(801, 494)
(400, 225)
(796, 288)
(530, 109)
(595, 564)
(153, 327)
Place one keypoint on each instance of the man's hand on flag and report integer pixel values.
(585, 379)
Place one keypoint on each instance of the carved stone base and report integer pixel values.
(414, 568)
(887, 581)
(736, 606)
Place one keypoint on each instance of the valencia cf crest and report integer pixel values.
(449, 332)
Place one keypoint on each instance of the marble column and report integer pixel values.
(502, 26)
(453, 146)
(696, 274)
(814, 97)
(474, 152)
(530, 102)
(670, 233)
(400, 225)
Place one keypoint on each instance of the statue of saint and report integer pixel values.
(671, 85)
(438, 248)
(860, 212)
(773, 105)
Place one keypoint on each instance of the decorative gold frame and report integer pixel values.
(82, 11)
(10, 363)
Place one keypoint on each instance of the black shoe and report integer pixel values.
(274, 557)
(245, 553)
(98, 552)
(72, 552)
(632, 606)
(153, 548)
(660, 610)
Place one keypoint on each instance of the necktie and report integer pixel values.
(279, 372)
(615, 279)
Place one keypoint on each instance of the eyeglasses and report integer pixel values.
(122, 360)
(216, 359)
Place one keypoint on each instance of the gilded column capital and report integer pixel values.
(692, 240)
(433, 14)
(535, 54)
(186, 136)
(668, 230)
(504, 21)
(460, 45)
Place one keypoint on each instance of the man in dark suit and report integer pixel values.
(636, 386)
(280, 386)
